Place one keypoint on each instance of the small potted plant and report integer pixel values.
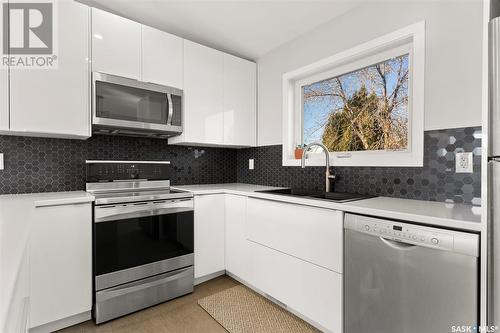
(299, 150)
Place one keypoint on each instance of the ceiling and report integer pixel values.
(248, 29)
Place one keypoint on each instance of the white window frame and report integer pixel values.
(409, 40)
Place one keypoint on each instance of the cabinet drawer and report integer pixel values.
(312, 291)
(311, 234)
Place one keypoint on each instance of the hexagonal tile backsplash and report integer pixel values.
(45, 165)
(435, 181)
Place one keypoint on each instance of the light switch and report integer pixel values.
(1, 161)
(463, 163)
(250, 164)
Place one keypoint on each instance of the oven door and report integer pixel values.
(138, 240)
(130, 104)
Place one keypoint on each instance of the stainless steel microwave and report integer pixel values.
(123, 106)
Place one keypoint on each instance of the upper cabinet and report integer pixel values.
(203, 96)
(55, 101)
(116, 45)
(219, 98)
(240, 99)
(162, 58)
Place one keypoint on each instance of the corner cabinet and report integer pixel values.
(116, 45)
(54, 102)
(219, 99)
(208, 235)
(236, 244)
(240, 99)
(60, 264)
(203, 120)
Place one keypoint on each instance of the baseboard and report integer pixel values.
(62, 323)
(277, 302)
(208, 277)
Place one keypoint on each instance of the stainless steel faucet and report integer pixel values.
(328, 176)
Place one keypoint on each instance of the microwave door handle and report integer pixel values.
(170, 109)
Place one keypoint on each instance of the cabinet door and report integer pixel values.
(116, 45)
(61, 263)
(203, 95)
(4, 87)
(4, 99)
(208, 234)
(239, 101)
(308, 233)
(308, 289)
(162, 58)
(236, 243)
(56, 102)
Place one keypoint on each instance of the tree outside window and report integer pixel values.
(366, 109)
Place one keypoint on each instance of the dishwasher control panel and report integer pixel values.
(403, 232)
(431, 237)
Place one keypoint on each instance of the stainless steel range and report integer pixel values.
(143, 237)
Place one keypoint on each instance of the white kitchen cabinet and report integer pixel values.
(60, 263)
(203, 119)
(55, 102)
(310, 290)
(208, 234)
(4, 97)
(116, 45)
(236, 243)
(162, 58)
(295, 255)
(240, 113)
(4, 88)
(219, 98)
(308, 233)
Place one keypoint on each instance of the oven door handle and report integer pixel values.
(122, 212)
(143, 284)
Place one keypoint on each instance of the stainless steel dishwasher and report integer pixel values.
(406, 278)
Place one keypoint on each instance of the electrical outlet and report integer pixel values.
(1, 161)
(463, 163)
(250, 164)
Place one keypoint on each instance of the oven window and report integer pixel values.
(132, 104)
(133, 242)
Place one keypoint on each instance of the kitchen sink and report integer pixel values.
(331, 196)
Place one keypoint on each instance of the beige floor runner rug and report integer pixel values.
(241, 310)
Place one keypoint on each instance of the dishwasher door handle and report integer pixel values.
(402, 246)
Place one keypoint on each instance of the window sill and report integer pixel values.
(368, 159)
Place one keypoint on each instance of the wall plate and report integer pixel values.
(463, 163)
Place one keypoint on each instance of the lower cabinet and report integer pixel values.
(236, 243)
(296, 256)
(60, 252)
(292, 253)
(208, 234)
(307, 289)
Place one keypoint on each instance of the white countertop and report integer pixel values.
(457, 216)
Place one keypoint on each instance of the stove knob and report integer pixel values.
(367, 227)
(435, 241)
(414, 237)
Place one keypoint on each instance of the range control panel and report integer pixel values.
(403, 232)
(105, 171)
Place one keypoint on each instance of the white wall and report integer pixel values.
(453, 59)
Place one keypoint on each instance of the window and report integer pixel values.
(363, 110)
(365, 104)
